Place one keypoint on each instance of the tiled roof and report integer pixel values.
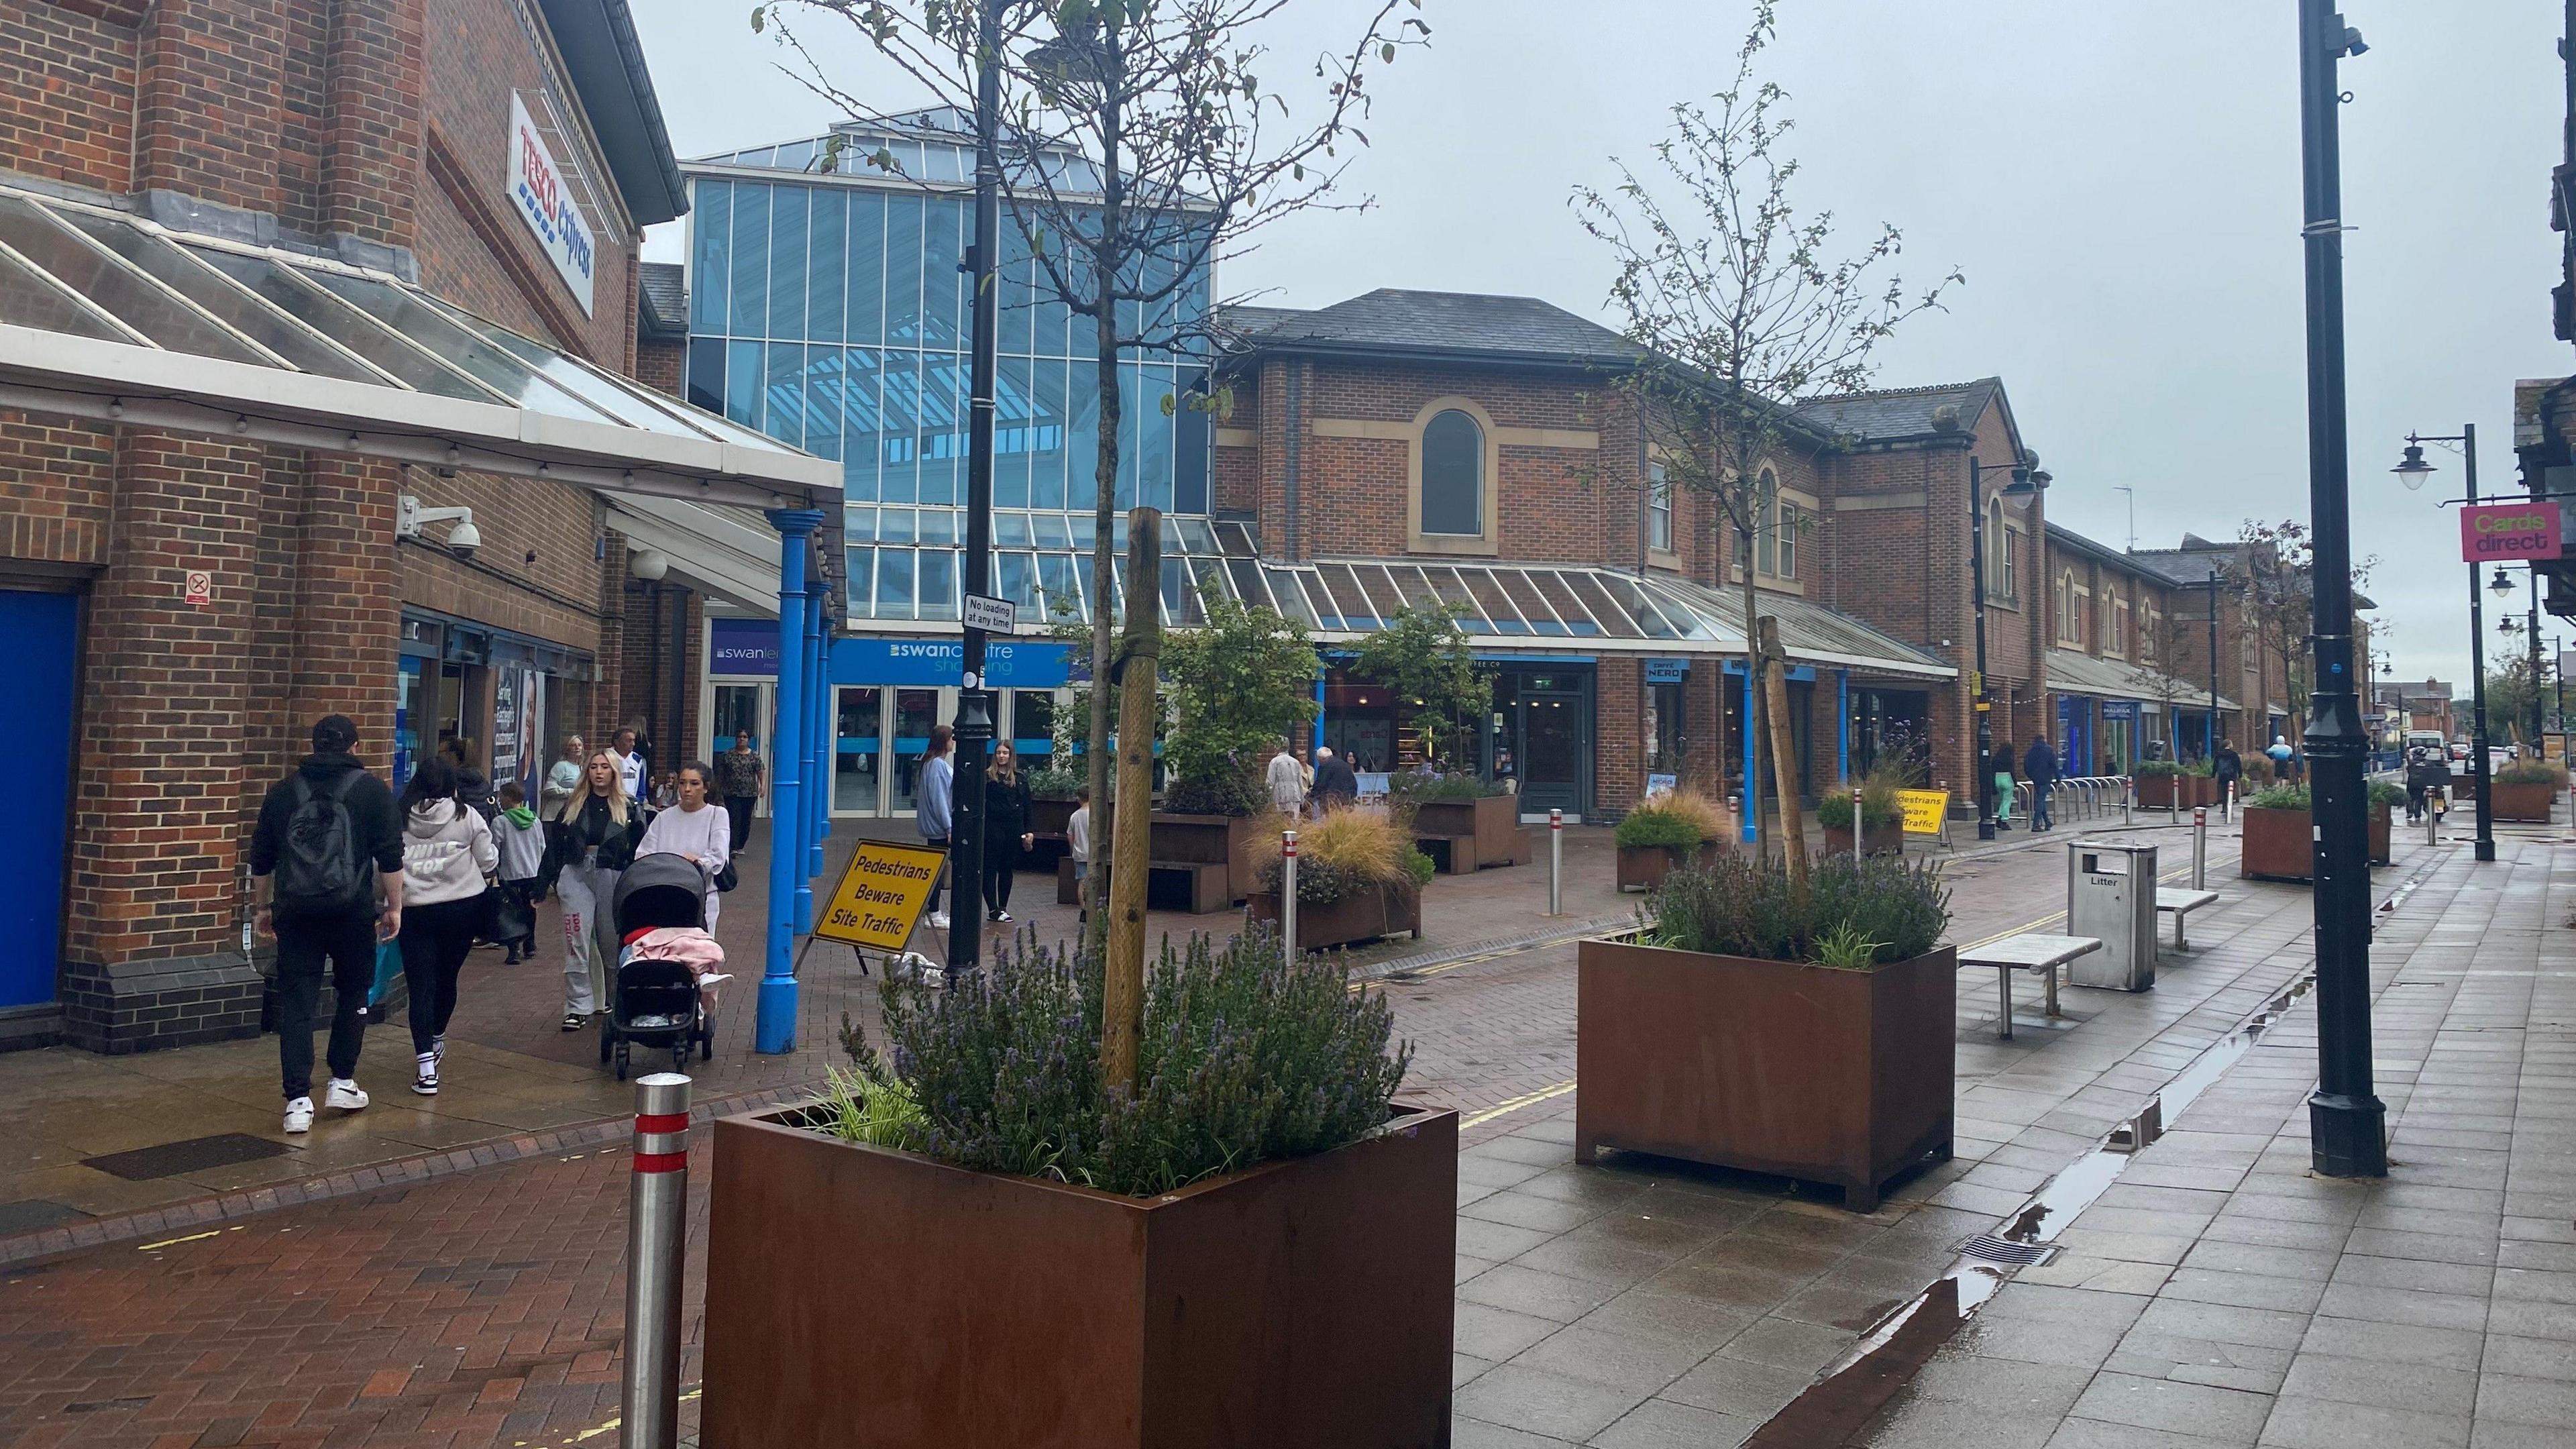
(1450, 323)
(2074, 672)
(1902, 414)
(665, 305)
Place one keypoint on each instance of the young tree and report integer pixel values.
(1236, 687)
(2271, 578)
(1738, 310)
(1427, 661)
(1143, 142)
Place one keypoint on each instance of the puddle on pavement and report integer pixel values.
(1853, 1392)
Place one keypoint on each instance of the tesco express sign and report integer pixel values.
(2508, 532)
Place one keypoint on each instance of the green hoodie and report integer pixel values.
(520, 816)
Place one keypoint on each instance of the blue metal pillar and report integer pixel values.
(1842, 724)
(818, 700)
(827, 718)
(1318, 742)
(774, 1031)
(1752, 797)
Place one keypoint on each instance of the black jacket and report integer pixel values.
(1334, 783)
(371, 810)
(2001, 762)
(1006, 807)
(568, 844)
(2229, 765)
(2039, 766)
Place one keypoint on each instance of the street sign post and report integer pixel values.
(993, 616)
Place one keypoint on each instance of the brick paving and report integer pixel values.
(2219, 1294)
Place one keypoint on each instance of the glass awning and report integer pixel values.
(107, 315)
(2074, 672)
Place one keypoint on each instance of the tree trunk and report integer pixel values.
(1104, 591)
(1756, 704)
(1784, 763)
(1123, 965)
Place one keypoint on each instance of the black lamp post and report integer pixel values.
(974, 701)
(1983, 700)
(2412, 472)
(2347, 1122)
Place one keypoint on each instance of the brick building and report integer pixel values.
(278, 278)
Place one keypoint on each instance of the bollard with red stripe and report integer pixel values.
(1288, 893)
(1556, 862)
(657, 1224)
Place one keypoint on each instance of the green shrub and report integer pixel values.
(1246, 1057)
(1222, 794)
(2383, 793)
(1347, 851)
(2532, 772)
(2280, 797)
(1053, 784)
(2154, 769)
(2201, 768)
(1879, 807)
(1672, 819)
(1740, 906)
(1413, 787)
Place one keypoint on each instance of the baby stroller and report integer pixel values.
(654, 1004)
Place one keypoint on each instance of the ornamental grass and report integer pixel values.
(1849, 913)
(1682, 819)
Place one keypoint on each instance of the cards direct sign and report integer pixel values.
(2508, 532)
(881, 893)
(544, 202)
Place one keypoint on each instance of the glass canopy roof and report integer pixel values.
(103, 314)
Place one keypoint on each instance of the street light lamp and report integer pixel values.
(2413, 471)
(2025, 483)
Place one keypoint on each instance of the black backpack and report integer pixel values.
(321, 870)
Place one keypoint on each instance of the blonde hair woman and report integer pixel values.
(591, 842)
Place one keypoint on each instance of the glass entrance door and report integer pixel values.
(858, 753)
(742, 709)
(915, 711)
(1550, 758)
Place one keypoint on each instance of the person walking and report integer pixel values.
(930, 815)
(1335, 786)
(739, 777)
(590, 842)
(630, 763)
(2229, 767)
(695, 830)
(520, 838)
(2002, 766)
(472, 785)
(2040, 767)
(563, 778)
(329, 842)
(1077, 844)
(1006, 828)
(448, 857)
(1287, 781)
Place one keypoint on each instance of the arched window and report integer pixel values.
(2066, 631)
(1453, 475)
(1659, 508)
(1997, 586)
(1766, 523)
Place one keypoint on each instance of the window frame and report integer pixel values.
(1487, 541)
(1659, 513)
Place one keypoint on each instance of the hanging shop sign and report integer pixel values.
(539, 194)
(2508, 532)
(1666, 671)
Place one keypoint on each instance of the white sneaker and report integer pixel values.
(426, 1081)
(714, 978)
(342, 1095)
(939, 920)
(299, 1115)
(438, 1049)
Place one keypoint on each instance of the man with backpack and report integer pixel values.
(329, 841)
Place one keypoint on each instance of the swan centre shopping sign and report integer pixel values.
(881, 893)
(2509, 532)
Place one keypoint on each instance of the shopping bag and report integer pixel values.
(388, 970)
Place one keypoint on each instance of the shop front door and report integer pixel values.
(858, 753)
(38, 635)
(1551, 760)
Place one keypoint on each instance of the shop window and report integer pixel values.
(1659, 508)
(1453, 475)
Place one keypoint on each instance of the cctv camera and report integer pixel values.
(464, 538)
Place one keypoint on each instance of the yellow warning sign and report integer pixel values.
(881, 895)
(1924, 810)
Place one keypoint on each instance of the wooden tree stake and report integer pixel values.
(1140, 653)
(1784, 755)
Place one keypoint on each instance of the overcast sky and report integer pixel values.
(2119, 181)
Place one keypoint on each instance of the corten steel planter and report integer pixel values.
(863, 1298)
(1888, 839)
(2156, 792)
(1844, 1077)
(1643, 867)
(1476, 834)
(1225, 840)
(2379, 849)
(2525, 803)
(1362, 916)
(2279, 845)
(1053, 817)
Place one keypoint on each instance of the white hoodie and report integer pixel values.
(447, 850)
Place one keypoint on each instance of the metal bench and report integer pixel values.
(2030, 951)
(2181, 901)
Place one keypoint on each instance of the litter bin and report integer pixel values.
(2111, 894)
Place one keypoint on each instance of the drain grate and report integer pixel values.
(197, 1154)
(1991, 1249)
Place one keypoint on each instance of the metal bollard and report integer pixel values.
(1856, 822)
(657, 1235)
(1288, 892)
(2128, 799)
(2200, 847)
(1556, 862)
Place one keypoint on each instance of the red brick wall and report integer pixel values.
(661, 366)
(67, 79)
(1618, 748)
(213, 103)
(371, 120)
(57, 486)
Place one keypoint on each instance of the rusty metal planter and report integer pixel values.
(1844, 1077)
(2379, 846)
(2526, 803)
(1888, 839)
(1361, 916)
(1225, 840)
(1643, 867)
(2279, 845)
(2181, 792)
(863, 1298)
(1491, 822)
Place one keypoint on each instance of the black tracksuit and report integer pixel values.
(347, 942)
